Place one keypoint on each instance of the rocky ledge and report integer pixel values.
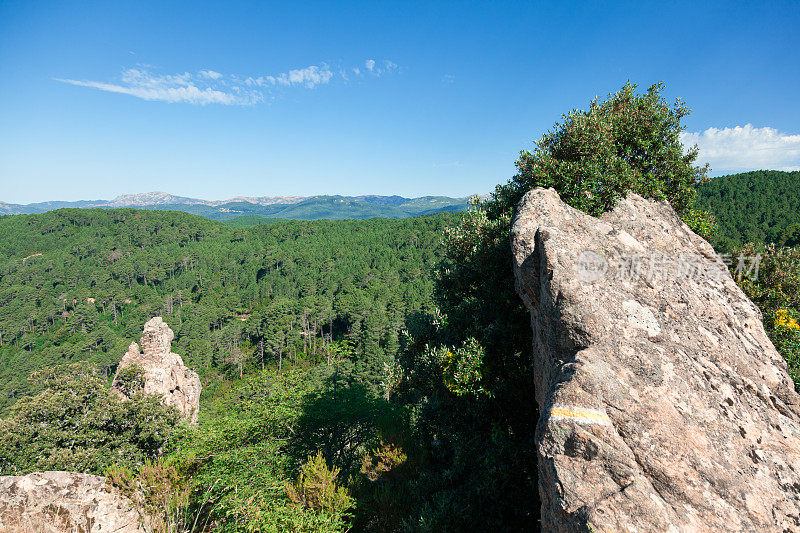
(54, 502)
(664, 406)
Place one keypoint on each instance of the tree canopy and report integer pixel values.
(77, 285)
(761, 206)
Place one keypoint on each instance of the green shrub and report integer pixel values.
(775, 289)
(318, 490)
(76, 423)
(629, 142)
(130, 380)
(161, 493)
(344, 424)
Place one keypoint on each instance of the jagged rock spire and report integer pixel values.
(164, 371)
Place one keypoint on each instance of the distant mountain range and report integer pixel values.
(291, 207)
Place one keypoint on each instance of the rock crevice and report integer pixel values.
(664, 406)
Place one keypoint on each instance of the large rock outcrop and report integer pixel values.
(55, 502)
(164, 371)
(664, 406)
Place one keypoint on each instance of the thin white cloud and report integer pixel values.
(447, 79)
(745, 148)
(308, 77)
(210, 74)
(164, 89)
(376, 69)
(211, 87)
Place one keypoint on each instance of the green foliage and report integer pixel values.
(237, 458)
(782, 327)
(246, 221)
(776, 291)
(318, 490)
(790, 236)
(629, 142)
(130, 380)
(382, 492)
(759, 207)
(76, 423)
(462, 368)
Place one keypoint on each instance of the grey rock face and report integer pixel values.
(54, 502)
(164, 371)
(664, 406)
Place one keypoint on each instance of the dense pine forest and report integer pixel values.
(761, 206)
(371, 375)
(77, 285)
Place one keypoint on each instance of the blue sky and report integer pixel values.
(220, 99)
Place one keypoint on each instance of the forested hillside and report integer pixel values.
(245, 221)
(761, 206)
(77, 285)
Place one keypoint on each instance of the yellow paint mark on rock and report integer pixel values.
(580, 415)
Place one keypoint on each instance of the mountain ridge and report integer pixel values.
(287, 207)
